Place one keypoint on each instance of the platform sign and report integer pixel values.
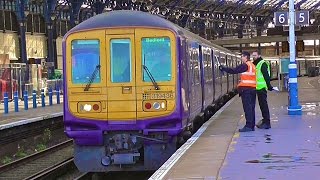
(282, 18)
(284, 66)
(302, 18)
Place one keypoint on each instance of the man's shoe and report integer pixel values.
(264, 126)
(246, 129)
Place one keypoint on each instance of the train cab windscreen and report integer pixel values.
(85, 60)
(156, 54)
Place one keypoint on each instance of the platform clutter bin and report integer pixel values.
(313, 71)
(317, 71)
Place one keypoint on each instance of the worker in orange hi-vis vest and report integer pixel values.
(246, 88)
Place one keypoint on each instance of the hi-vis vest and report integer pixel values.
(261, 83)
(248, 78)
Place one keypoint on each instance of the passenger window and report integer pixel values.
(120, 55)
(196, 67)
(85, 60)
(210, 67)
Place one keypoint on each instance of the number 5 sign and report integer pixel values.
(302, 18)
(282, 18)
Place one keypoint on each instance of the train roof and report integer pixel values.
(125, 18)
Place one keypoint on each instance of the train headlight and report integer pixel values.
(87, 107)
(156, 105)
(163, 105)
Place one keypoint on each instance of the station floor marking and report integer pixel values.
(165, 168)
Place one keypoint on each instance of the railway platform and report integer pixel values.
(289, 150)
(31, 115)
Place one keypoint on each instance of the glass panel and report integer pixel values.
(85, 59)
(120, 60)
(156, 56)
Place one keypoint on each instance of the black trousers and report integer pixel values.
(248, 97)
(263, 103)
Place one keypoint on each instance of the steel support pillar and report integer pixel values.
(55, 56)
(294, 108)
(50, 42)
(22, 41)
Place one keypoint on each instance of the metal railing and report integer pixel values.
(20, 77)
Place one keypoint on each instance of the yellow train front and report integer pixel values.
(126, 104)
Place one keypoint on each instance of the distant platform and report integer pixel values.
(28, 116)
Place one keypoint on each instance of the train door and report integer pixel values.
(224, 77)
(121, 81)
(196, 92)
(217, 75)
(234, 62)
(202, 62)
(213, 73)
(230, 76)
(185, 88)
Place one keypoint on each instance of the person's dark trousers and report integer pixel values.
(248, 97)
(263, 103)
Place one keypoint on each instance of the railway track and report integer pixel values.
(45, 164)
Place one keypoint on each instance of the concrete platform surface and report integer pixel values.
(289, 150)
(31, 115)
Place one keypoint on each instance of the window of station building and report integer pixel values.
(120, 55)
(157, 58)
(85, 61)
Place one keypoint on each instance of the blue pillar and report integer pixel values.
(6, 103)
(294, 107)
(50, 97)
(16, 105)
(43, 102)
(58, 95)
(34, 98)
(25, 96)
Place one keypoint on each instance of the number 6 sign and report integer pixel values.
(281, 18)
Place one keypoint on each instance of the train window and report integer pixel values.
(85, 60)
(209, 67)
(156, 54)
(120, 55)
(196, 68)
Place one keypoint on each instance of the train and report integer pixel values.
(136, 87)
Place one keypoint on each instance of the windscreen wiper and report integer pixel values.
(149, 74)
(93, 76)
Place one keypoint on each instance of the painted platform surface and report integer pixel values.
(31, 115)
(290, 150)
